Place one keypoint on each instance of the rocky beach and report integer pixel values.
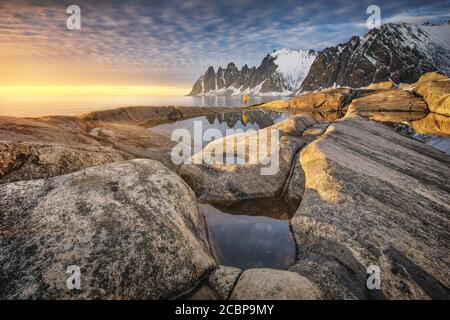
(359, 184)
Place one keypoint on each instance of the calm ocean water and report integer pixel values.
(72, 105)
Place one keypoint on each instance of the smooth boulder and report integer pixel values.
(327, 100)
(272, 284)
(216, 181)
(387, 100)
(133, 228)
(374, 198)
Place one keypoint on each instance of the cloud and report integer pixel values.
(174, 41)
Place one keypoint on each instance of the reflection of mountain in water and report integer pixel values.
(257, 118)
(432, 123)
(222, 121)
(432, 129)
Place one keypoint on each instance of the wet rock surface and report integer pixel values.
(133, 228)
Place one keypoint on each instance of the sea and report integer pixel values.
(37, 106)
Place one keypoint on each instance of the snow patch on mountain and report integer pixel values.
(398, 52)
(433, 41)
(280, 74)
(293, 65)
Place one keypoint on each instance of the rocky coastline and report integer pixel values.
(101, 191)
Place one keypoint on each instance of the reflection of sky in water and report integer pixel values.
(440, 143)
(249, 241)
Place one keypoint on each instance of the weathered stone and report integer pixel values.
(296, 186)
(203, 293)
(223, 279)
(41, 148)
(263, 284)
(325, 101)
(50, 146)
(28, 162)
(294, 126)
(133, 228)
(148, 116)
(436, 94)
(387, 100)
(382, 85)
(315, 130)
(431, 76)
(218, 182)
(426, 77)
(374, 197)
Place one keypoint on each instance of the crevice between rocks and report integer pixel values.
(292, 208)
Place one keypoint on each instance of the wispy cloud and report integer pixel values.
(172, 42)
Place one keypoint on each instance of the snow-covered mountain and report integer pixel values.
(280, 73)
(399, 52)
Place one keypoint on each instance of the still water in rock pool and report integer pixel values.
(432, 129)
(255, 119)
(249, 241)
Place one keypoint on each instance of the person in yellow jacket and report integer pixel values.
(244, 100)
(244, 118)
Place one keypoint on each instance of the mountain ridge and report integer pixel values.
(399, 52)
(281, 72)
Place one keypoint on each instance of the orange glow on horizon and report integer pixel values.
(92, 91)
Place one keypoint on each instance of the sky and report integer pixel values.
(162, 47)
